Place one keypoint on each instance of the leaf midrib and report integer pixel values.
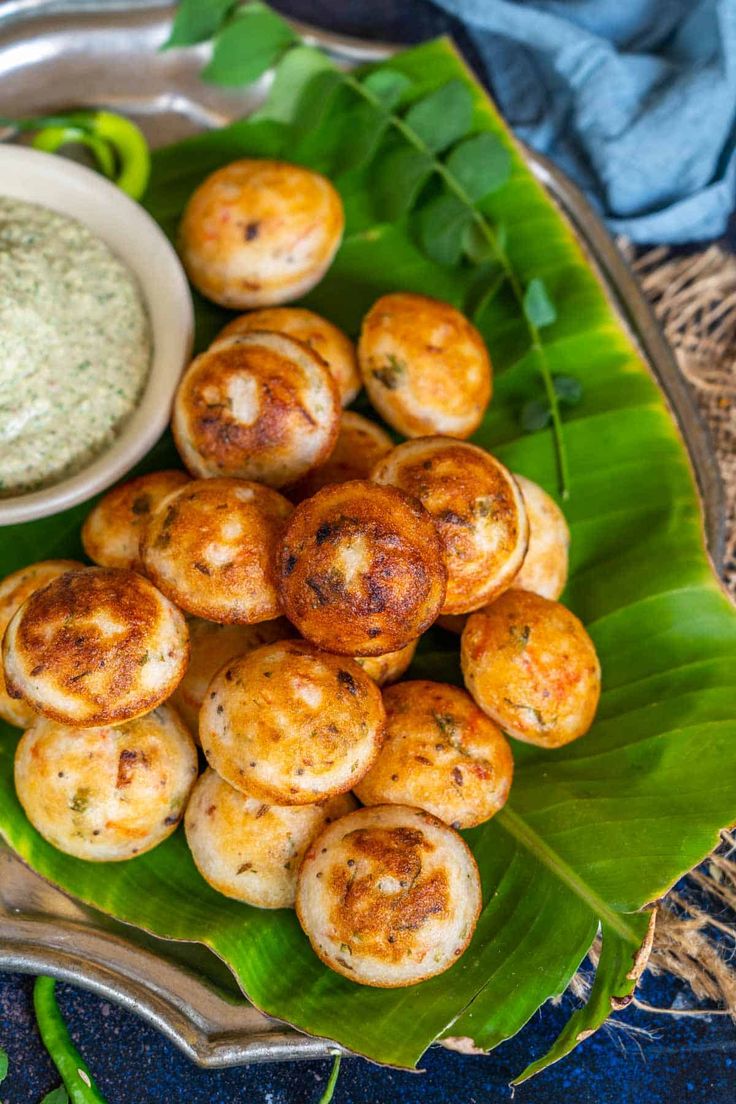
(517, 827)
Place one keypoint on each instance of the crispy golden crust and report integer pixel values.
(477, 507)
(440, 753)
(212, 646)
(260, 406)
(360, 569)
(109, 793)
(251, 851)
(14, 589)
(111, 534)
(390, 667)
(210, 548)
(290, 724)
(360, 445)
(388, 896)
(531, 666)
(544, 570)
(257, 233)
(335, 347)
(425, 367)
(95, 646)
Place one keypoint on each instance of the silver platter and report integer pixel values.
(56, 54)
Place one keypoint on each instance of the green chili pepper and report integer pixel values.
(52, 138)
(65, 1056)
(119, 147)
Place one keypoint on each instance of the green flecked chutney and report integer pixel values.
(75, 346)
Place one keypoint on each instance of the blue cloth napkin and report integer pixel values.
(634, 99)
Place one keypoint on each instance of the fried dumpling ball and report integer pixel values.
(544, 570)
(390, 667)
(478, 509)
(440, 753)
(210, 547)
(251, 851)
(335, 347)
(212, 646)
(111, 535)
(360, 445)
(96, 646)
(361, 569)
(291, 725)
(107, 793)
(257, 233)
(531, 666)
(425, 367)
(14, 589)
(259, 406)
(388, 896)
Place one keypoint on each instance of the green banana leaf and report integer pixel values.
(594, 832)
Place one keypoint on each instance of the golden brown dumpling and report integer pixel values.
(360, 569)
(478, 510)
(210, 548)
(531, 666)
(360, 445)
(425, 367)
(544, 570)
(14, 589)
(212, 646)
(440, 753)
(335, 347)
(258, 406)
(387, 668)
(291, 725)
(96, 646)
(251, 851)
(257, 233)
(107, 793)
(111, 535)
(388, 896)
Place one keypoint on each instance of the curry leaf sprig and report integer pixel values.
(426, 162)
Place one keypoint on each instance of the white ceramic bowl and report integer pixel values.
(73, 190)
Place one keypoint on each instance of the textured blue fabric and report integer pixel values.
(634, 99)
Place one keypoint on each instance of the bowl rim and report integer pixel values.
(137, 240)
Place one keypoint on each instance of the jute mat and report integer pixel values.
(694, 298)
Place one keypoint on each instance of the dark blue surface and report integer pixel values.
(686, 1062)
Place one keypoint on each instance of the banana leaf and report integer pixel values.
(593, 833)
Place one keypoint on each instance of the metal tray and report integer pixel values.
(60, 53)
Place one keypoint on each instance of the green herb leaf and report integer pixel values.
(4, 1063)
(442, 224)
(481, 164)
(398, 179)
(299, 74)
(568, 389)
(535, 415)
(248, 45)
(196, 21)
(477, 246)
(362, 129)
(538, 307)
(56, 1096)
(387, 85)
(442, 117)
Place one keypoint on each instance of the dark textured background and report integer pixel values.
(682, 1061)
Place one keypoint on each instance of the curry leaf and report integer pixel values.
(442, 117)
(362, 128)
(480, 164)
(442, 224)
(196, 21)
(538, 307)
(535, 415)
(56, 1096)
(397, 180)
(248, 45)
(387, 85)
(569, 389)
